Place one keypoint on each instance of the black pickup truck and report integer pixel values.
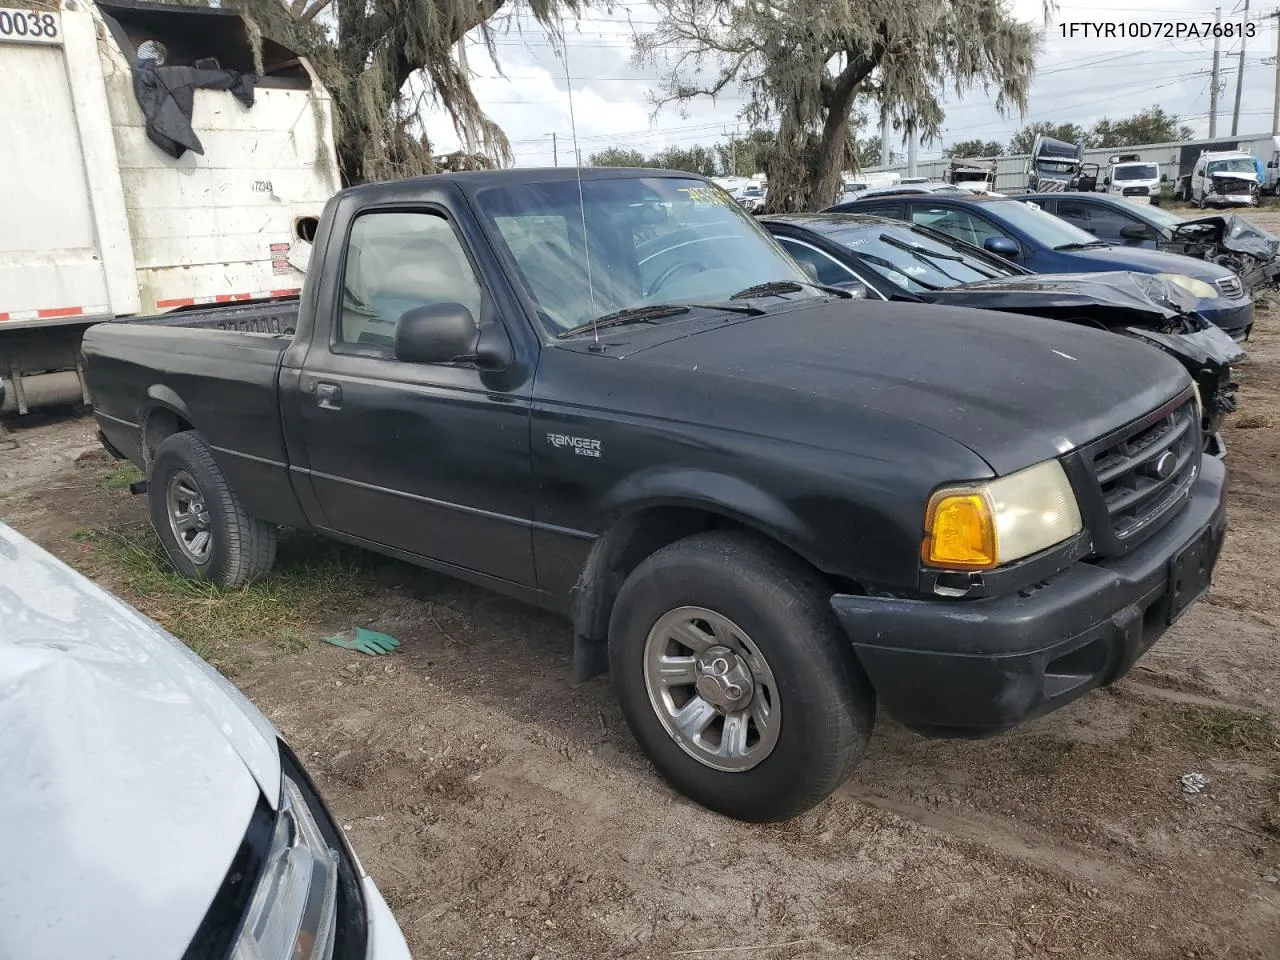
(765, 506)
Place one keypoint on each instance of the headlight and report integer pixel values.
(982, 525)
(1197, 288)
(293, 913)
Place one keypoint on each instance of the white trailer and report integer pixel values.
(98, 222)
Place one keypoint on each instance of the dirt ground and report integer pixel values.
(505, 812)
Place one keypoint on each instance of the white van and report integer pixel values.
(1228, 178)
(1133, 179)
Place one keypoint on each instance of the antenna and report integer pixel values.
(582, 204)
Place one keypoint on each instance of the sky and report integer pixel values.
(1077, 80)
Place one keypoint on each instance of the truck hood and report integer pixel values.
(1116, 299)
(1239, 175)
(131, 770)
(1013, 394)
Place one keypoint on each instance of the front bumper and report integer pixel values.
(1231, 200)
(385, 942)
(1266, 275)
(1235, 317)
(963, 669)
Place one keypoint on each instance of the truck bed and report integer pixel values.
(279, 316)
(216, 367)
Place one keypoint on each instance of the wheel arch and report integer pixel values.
(641, 526)
(163, 414)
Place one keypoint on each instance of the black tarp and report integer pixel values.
(166, 95)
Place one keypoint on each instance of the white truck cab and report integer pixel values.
(1133, 179)
(1227, 178)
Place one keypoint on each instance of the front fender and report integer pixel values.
(711, 492)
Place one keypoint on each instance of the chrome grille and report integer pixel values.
(1143, 475)
(1230, 287)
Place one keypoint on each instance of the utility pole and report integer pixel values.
(884, 140)
(555, 152)
(732, 134)
(1213, 78)
(1235, 114)
(1275, 96)
(911, 151)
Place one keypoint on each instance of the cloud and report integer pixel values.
(1078, 79)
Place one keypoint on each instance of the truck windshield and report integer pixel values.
(914, 260)
(648, 240)
(1233, 165)
(1136, 171)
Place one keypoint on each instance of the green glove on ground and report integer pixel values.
(364, 641)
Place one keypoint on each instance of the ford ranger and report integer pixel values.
(767, 507)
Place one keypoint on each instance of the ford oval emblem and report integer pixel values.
(1165, 465)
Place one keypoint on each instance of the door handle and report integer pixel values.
(328, 396)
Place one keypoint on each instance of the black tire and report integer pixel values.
(241, 548)
(828, 705)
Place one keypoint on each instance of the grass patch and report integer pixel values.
(1043, 756)
(120, 478)
(1207, 729)
(315, 582)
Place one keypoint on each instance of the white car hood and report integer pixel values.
(128, 771)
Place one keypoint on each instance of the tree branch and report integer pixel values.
(310, 13)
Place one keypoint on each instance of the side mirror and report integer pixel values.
(810, 271)
(857, 289)
(437, 333)
(1164, 178)
(1135, 231)
(1106, 181)
(1001, 246)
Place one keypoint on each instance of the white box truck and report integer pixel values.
(100, 219)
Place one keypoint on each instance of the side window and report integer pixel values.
(1107, 223)
(829, 272)
(892, 210)
(1076, 212)
(955, 223)
(396, 262)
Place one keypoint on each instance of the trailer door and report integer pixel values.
(58, 215)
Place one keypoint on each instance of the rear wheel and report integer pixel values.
(202, 525)
(735, 677)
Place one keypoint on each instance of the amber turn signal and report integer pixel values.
(960, 531)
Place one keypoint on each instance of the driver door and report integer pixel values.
(431, 459)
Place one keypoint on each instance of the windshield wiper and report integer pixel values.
(893, 268)
(925, 257)
(1081, 246)
(919, 251)
(775, 288)
(652, 312)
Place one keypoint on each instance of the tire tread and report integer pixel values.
(248, 546)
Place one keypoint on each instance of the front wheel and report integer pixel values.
(735, 677)
(201, 523)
